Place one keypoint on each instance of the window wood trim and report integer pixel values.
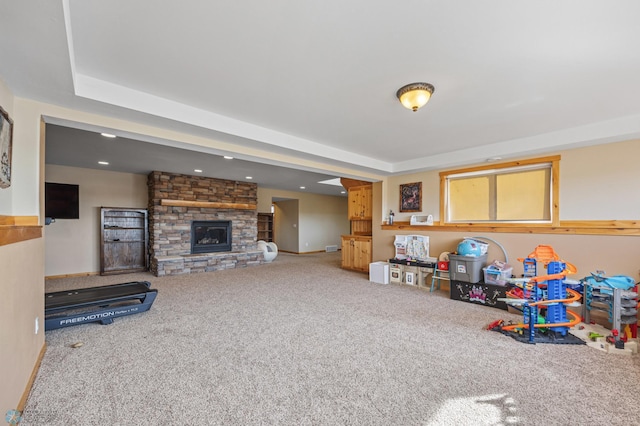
(555, 190)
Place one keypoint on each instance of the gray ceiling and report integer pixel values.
(81, 148)
(310, 86)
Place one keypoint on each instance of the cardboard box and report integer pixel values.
(379, 272)
(479, 293)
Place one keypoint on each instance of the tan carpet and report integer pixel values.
(302, 342)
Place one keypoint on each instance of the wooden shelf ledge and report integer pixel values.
(14, 229)
(568, 227)
(208, 204)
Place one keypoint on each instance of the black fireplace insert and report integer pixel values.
(209, 236)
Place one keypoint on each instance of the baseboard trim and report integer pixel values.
(302, 252)
(81, 274)
(32, 379)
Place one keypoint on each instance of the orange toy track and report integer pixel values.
(546, 254)
(575, 296)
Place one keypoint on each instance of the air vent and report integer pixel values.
(331, 248)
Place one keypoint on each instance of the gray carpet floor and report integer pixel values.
(302, 342)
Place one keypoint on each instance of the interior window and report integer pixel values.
(518, 192)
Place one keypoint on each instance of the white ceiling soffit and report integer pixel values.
(319, 78)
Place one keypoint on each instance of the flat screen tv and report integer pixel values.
(61, 201)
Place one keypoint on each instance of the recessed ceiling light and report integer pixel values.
(104, 163)
(249, 177)
(228, 157)
(108, 135)
(197, 170)
(303, 187)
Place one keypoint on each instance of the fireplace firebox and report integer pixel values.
(209, 236)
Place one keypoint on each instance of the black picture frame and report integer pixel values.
(411, 197)
(6, 143)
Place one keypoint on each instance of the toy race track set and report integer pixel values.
(543, 301)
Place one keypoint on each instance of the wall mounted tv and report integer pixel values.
(61, 201)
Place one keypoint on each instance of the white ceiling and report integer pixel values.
(316, 80)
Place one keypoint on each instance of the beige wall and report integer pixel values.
(285, 225)
(72, 246)
(601, 182)
(22, 263)
(320, 219)
(596, 183)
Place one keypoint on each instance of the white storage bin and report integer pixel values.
(379, 272)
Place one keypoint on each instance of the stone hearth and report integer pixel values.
(175, 201)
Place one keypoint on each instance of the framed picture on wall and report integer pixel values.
(411, 197)
(6, 138)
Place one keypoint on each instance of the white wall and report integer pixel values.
(72, 246)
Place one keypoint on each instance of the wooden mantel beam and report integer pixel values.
(208, 204)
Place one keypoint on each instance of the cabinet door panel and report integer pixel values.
(123, 256)
(367, 202)
(362, 255)
(354, 209)
(347, 253)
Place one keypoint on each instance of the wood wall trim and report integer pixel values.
(23, 401)
(18, 220)
(208, 204)
(568, 227)
(79, 274)
(14, 229)
(352, 183)
(503, 165)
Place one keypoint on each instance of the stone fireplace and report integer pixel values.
(182, 207)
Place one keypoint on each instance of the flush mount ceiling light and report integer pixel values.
(415, 95)
(108, 135)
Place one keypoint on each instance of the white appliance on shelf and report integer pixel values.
(421, 220)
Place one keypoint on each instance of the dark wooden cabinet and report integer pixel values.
(265, 227)
(123, 240)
